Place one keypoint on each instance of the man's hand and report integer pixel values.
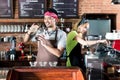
(41, 38)
(33, 29)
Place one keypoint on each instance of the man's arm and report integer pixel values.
(55, 51)
(27, 37)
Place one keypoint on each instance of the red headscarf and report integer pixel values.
(51, 14)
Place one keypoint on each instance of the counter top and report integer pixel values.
(45, 73)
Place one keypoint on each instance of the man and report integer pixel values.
(51, 40)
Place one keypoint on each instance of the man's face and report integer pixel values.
(49, 21)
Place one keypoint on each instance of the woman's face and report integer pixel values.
(83, 28)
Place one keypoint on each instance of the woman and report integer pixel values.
(75, 41)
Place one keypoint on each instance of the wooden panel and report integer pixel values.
(51, 73)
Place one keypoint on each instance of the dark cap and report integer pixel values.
(84, 20)
(52, 10)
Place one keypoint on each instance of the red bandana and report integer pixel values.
(51, 14)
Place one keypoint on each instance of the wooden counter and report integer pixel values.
(45, 73)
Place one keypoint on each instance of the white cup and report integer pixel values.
(33, 63)
(6, 39)
(42, 63)
(53, 63)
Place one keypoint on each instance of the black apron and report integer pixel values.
(76, 58)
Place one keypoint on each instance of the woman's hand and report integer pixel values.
(102, 41)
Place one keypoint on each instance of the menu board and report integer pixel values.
(31, 8)
(66, 8)
(6, 8)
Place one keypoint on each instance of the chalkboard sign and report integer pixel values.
(6, 8)
(66, 8)
(31, 8)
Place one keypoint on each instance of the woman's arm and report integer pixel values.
(89, 43)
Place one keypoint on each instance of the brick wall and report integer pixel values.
(101, 7)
